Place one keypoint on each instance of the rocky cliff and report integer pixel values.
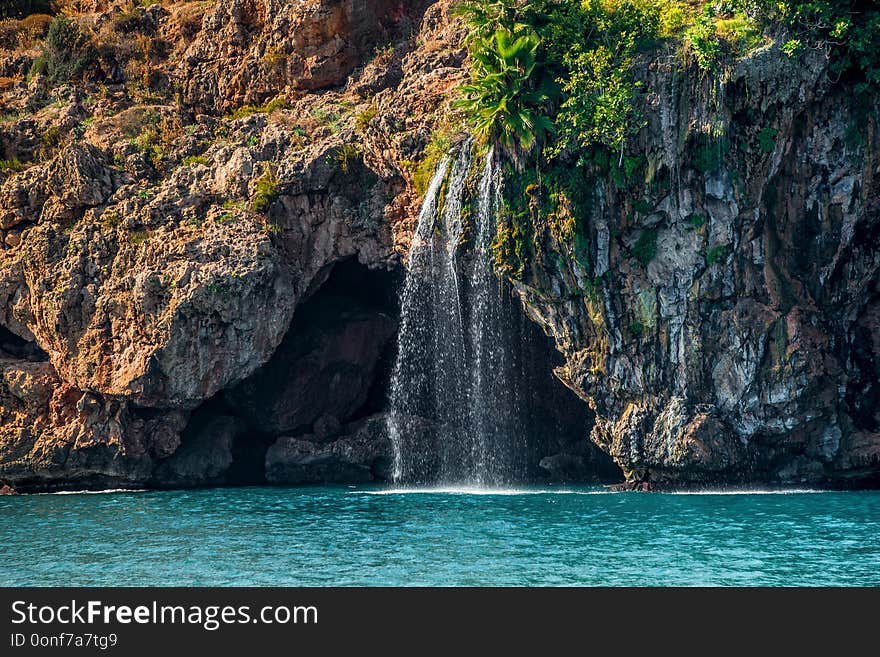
(201, 227)
(200, 237)
(724, 326)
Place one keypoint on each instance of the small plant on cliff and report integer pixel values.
(11, 165)
(703, 39)
(717, 254)
(767, 140)
(645, 248)
(435, 150)
(67, 51)
(346, 154)
(266, 190)
(268, 108)
(363, 119)
(327, 118)
(191, 160)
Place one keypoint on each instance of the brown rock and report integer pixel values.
(12, 239)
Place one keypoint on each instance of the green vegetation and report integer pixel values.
(645, 248)
(560, 73)
(195, 159)
(436, 149)
(272, 228)
(346, 154)
(136, 237)
(153, 135)
(266, 191)
(554, 85)
(327, 118)
(268, 108)
(68, 52)
(717, 254)
(767, 140)
(111, 218)
(703, 39)
(363, 119)
(505, 100)
(698, 221)
(11, 165)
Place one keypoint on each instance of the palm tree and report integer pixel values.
(506, 99)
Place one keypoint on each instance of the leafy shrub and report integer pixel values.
(11, 165)
(345, 154)
(327, 118)
(195, 159)
(792, 47)
(717, 254)
(268, 108)
(152, 134)
(767, 140)
(362, 121)
(266, 190)
(739, 32)
(698, 221)
(703, 40)
(675, 17)
(645, 248)
(67, 52)
(436, 149)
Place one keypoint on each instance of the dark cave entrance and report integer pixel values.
(14, 346)
(329, 373)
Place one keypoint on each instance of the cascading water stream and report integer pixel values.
(456, 362)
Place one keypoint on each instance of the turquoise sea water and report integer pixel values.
(364, 536)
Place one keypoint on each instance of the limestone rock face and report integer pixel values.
(53, 436)
(745, 351)
(248, 49)
(156, 251)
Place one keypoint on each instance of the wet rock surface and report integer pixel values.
(745, 351)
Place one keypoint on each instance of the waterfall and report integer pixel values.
(456, 359)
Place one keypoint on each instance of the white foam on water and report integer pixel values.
(107, 491)
(472, 490)
(780, 491)
(469, 490)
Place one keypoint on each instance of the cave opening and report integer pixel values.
(328, 376)
(14, 346)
